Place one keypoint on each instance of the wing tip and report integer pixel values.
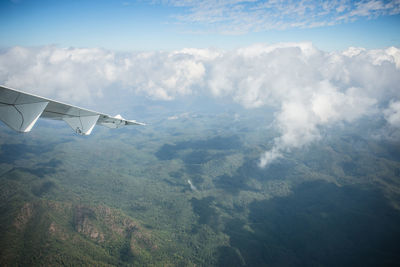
(138, 123)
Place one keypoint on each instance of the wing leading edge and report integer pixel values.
(20, 111)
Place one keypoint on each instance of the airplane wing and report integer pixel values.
(20, 111)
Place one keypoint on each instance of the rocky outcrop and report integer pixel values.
(84, 218)
(96, 230)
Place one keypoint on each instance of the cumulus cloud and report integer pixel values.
(240, 16)
(309, 89)
(69, 74)
(78, 75)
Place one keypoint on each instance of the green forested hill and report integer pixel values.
(189, 192)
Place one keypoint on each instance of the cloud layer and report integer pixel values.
(309, 88)
(240, 16)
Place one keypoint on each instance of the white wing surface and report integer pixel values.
(20, 111)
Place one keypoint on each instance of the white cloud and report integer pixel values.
(309, 88)
(392, 114)
(240, 16)
(269, 157)
(69, 74)
(75, 74)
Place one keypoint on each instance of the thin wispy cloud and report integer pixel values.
(242, 16)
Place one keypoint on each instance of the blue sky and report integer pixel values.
(226, 24)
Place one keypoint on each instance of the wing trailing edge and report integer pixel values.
(20, 111)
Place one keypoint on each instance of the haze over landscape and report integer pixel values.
(272, 138)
